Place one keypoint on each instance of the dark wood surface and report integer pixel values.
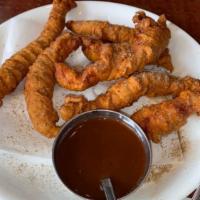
(184, 13)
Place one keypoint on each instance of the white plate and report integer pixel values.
(26, 170)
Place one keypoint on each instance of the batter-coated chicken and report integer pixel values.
(103, 30)
(161, 119)
(14, 69)
(94, 51)
(106, 31)
(40, 84)
(125, 92)
(118, 59)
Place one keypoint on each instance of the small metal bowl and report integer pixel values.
(106, 114)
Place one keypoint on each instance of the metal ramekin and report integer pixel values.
(106, 114)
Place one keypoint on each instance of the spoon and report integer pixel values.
(108, 189)
(196, 195)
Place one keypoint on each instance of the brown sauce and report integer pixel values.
(97, 149)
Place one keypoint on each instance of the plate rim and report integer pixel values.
(5, 23)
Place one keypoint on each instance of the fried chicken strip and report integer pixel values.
(94, 51)
(118, 59)
(161, 119)
(103, 30)
(40, 84)
(125, 92)
(14, 69)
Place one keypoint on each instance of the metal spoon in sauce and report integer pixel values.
(108, 189)
(196, 195)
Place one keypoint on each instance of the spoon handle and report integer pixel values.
(108, 189)
(196, 195)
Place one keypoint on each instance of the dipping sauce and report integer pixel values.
(97, 149)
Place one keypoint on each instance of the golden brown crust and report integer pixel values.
(71, 79)
(125, 92)
(103, 30)
(40, 84)
(163, 118)
(165, 60)
(118, 60)
(14, 69)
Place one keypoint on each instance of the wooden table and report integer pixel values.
(184, 13)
